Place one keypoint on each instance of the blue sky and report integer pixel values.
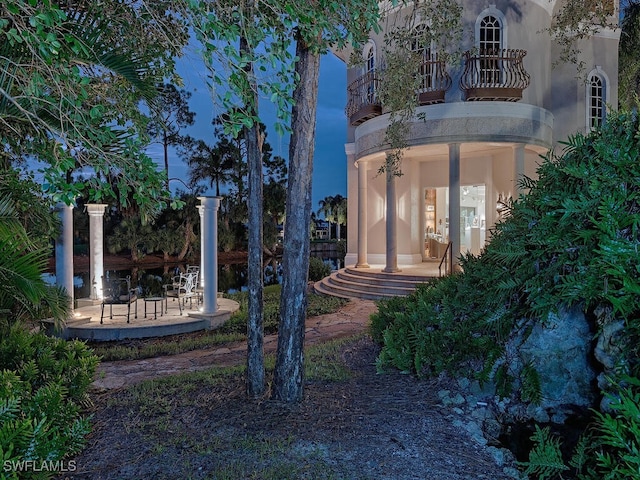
(329, 177)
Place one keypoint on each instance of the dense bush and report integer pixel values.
(318, 269)
(43, 385)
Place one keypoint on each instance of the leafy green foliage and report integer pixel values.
(23, 293)
(43, 385)
(72, 77)
(619, 434)
(545, 460)
(531, 388)
(609, 451)
(318, 269)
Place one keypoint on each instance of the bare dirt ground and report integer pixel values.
(370, 426)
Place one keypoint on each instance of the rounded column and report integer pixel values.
(454, 202)
(201, 213)
(209, 248)
(362, 215)
(391, 226)
(64, 250)
(96, 248)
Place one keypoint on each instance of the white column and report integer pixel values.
(392, 226)
(209, 245)
(518, 161)
(64, 250)
(454, 201)
(362, 215)
(201, 213)
(96, 248)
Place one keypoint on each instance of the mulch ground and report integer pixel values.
(371, 426)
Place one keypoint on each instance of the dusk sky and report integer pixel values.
(329, 171)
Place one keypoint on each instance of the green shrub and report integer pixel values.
(43, 384)
(318, 269)
(610, 450)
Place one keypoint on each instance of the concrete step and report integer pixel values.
(368, 284)
(379, 275)
(326, 288)
(398, 282)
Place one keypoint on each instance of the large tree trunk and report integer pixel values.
(255, 327)
(289, 372)
(188, 235)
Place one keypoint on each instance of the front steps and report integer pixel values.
(371, 284)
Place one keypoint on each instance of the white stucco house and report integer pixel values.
(480, 126)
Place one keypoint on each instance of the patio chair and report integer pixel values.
(118, 291)
(181, 289)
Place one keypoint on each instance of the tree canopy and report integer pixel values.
(72, 75)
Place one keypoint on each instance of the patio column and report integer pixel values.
(518, 161)
(64, 250)
(362, 215)
(96, 248)
(454, 201)
(209, 246)
(391, 226)
(201, 213)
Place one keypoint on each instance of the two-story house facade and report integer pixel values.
(480, 126)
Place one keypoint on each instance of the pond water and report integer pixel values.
(232, 277)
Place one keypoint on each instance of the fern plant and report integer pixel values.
(545, 459)
(43, 387)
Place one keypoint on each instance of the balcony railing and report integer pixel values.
(435, 82)
(363, 102)
(362, 98)
(494, 75)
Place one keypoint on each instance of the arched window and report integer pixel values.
(596, 98)
(370, 72)
(491, 40)
(418, 46)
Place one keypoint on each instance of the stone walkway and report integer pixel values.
(351, 319)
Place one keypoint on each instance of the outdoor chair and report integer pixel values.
(181, 289)
(197, 286)
(118, 291)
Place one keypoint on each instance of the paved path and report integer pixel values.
(350, 319)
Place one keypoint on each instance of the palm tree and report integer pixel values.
(339, 212)
(334, 209)
(327, 210)
(211, 163)
(23, 293)
(171, 114)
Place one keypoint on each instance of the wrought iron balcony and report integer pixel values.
(497, 75)
(363, 102)
(362, 98)
(435, 82)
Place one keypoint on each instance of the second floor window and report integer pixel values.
(490, 46)
(424, 52)
(371, 74)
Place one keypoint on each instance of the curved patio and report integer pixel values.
(85, 323)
